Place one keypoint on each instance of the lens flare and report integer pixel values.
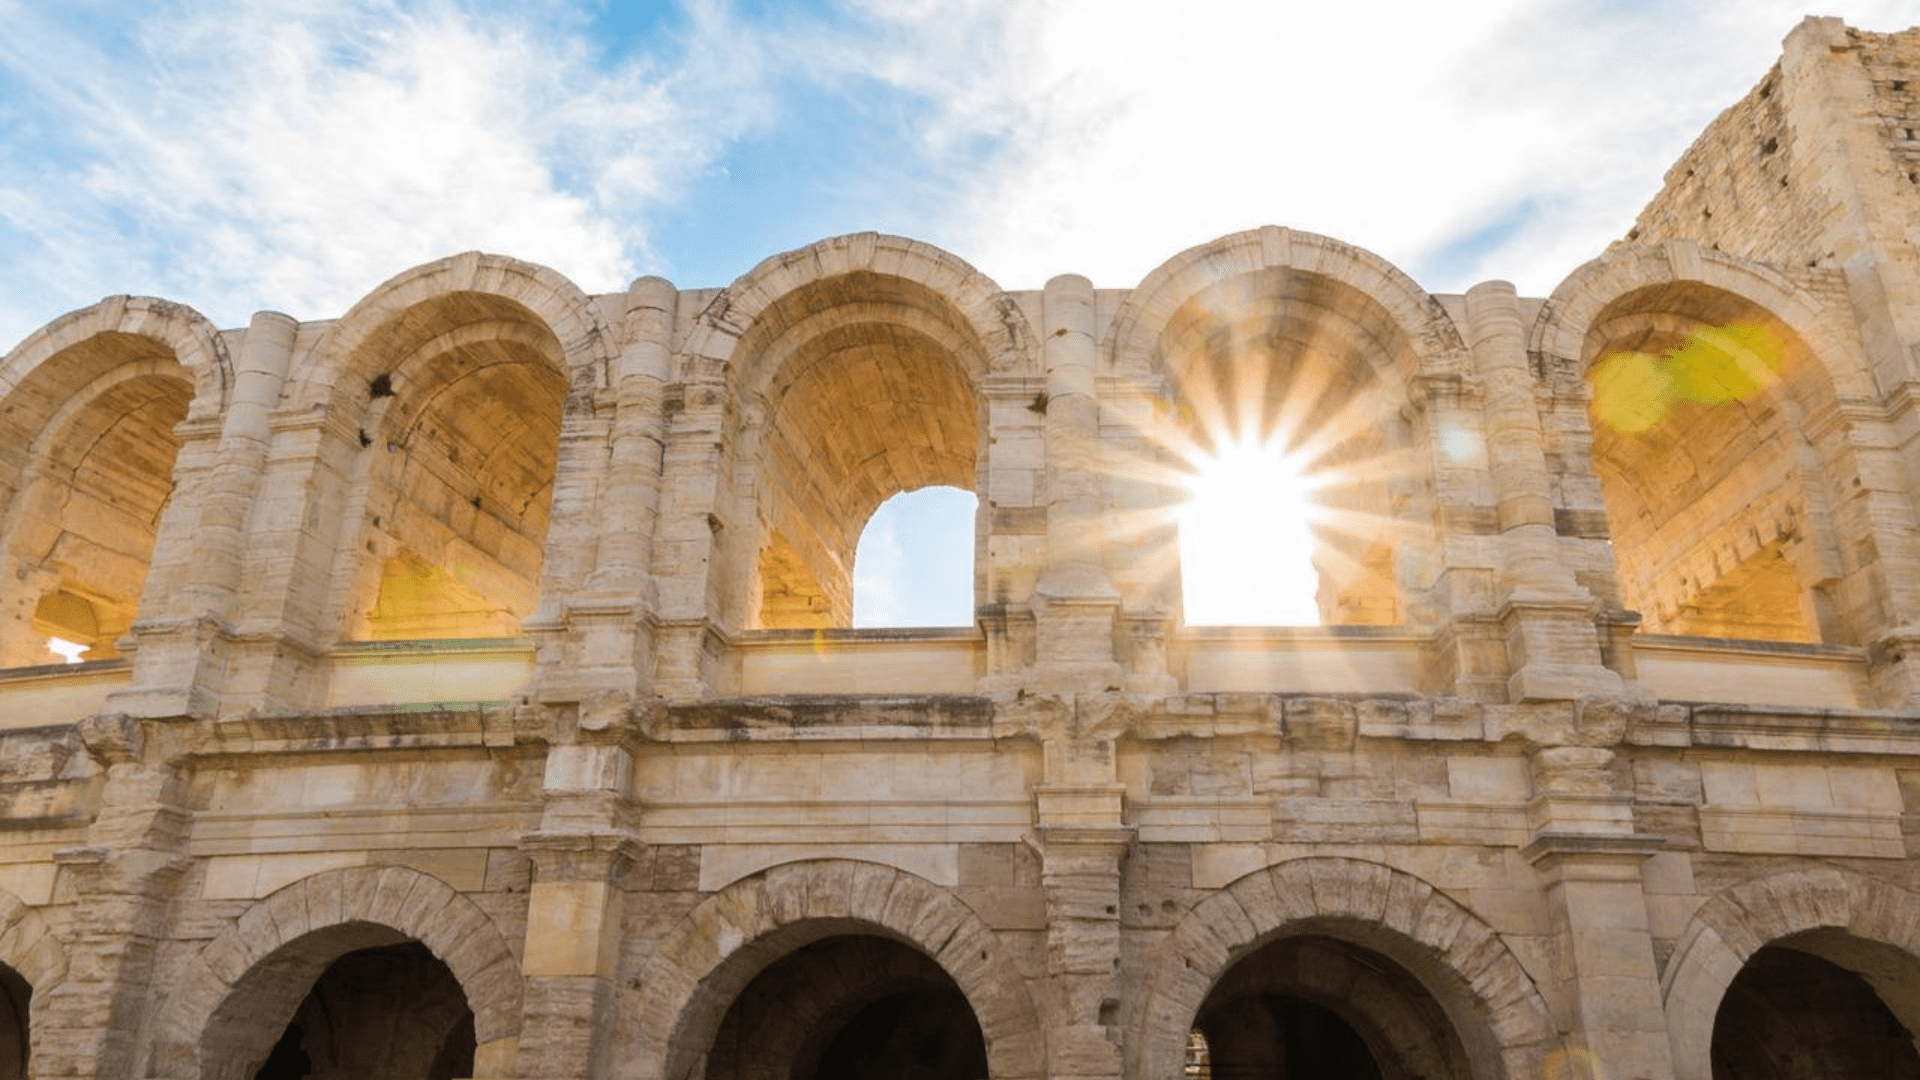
(1246, 552)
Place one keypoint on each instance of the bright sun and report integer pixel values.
(1245, 550)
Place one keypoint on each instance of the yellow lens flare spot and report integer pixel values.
(1632, 391)
(1246, 553)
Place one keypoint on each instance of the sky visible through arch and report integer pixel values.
(235, 155)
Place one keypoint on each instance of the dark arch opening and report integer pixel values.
(1791, 1015)
(1310, 1006)
(389, 1013)
(853, 1007)
(15, 996)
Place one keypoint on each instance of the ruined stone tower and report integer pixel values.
(469, 689)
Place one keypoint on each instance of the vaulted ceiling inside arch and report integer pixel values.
(868, 394)
(470, 437)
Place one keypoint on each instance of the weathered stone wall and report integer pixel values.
(485, 702)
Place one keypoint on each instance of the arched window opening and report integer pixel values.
(388, 1013)
(1319, 1006)
(1794, 1015)
(914, 564)
(867, 385)
(460, 488)
(854, 1006)
(1303, 483)
(88, 513)
(1720, 528)
(16, 997)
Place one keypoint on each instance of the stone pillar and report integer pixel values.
(123, 879)
(574, 909)
(1553, 646)
(688, 540)
(1082, 840)
(183, 641)
(601, 638)
(1585, 848)
(1075, 602)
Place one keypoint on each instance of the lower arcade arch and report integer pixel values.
(392, 1012)
(1310, 1005)
(1804, 973)
(852, 1006)
(1338, 967)
(1816, 1005)
(16, 998)
(357, 999)
(831, 968)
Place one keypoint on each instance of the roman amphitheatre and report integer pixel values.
(465, 686)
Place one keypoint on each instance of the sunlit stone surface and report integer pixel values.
(467, 684)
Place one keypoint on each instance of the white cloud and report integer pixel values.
(1135, 129)
(294, 154)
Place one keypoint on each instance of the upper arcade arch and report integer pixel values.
(1319, 352)
(1721, 403)
(89, 411)
(858, 366)
(1495, 1011)
(718, 948)
(456, 379)
(1858, 923)
(401, 313)
(263, 966)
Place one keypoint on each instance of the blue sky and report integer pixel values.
(291, 154)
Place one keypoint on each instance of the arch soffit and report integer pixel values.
(396, 898)
(981, 305)
(1134, 337)
(1560, 331)
(1742, 919)
(832, 891)
(587, 344)
(195, 343)
(1318, 895)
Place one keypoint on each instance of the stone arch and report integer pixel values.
(1739, 921)
(1005, 336)
(1326, 352)
(718, 947)
(856, 368)
(1492, 1002)
(1760, 463)
(89, 411)
(343, 362)
(28, 944)
(449, 387)
(194, 342)
(1433, 338)
(267, 960)
(36, 957)
(1559, 333)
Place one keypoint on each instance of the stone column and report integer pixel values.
(1075, 602)
(574, 908)
(1553, 646)
(687, 541)
(600, 641)
(123, 879)
(1082, 839)
(1586, 850)
(180, 668)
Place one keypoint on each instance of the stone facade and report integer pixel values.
(471, 694)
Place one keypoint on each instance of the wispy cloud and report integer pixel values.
(294, 154)
(1509, 138)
